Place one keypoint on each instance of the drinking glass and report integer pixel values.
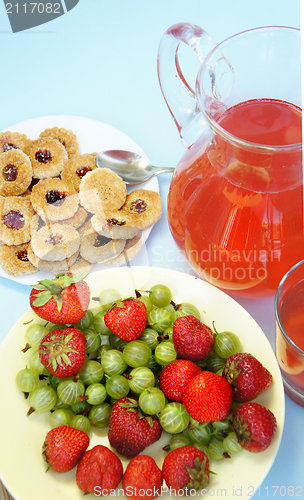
(289, 310)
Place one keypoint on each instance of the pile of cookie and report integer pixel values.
(60, 212)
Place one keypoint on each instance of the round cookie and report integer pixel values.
(52, 266)
(131, 249)
(15, 216)
(102, 190)
(15, 172)
(114, 224)
(47, 157)
(55, 242)
(66, 137)
(77, 167)
(144, 207)
(54, 200)
(14, 259)
(12, 140)
(97, 248)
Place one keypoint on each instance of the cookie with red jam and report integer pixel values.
(48, 157)
(77, 167)
(15, 261)
(12, 140)
(15, 217)
(54, 200)
(66, 137)
(55, 242)
(15, 172)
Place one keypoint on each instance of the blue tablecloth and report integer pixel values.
(99, 60)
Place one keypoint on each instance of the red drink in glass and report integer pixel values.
(290, 332)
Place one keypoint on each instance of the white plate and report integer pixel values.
(21, 466)
(92, 135)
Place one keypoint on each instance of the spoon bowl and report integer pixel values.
(131, 167)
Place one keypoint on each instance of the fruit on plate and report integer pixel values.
(176, 376)
(191, 338)
(63, 447)
(130, 432)
(127, 319)
(99, 471)
(208, 397)
(142, 478)
(63, 300)
(247, 376)
(255, 426)
(186, 468)
(62, 352)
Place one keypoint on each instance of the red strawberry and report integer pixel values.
(64, 446)
(142, 478)
(247, 376)
(127, 320)
(254, 425)
(99, 471)
(129, 431)
(62, 352)
(186, 468)
(191, 338)
(208, 397)
(63, 300)
(176, 376)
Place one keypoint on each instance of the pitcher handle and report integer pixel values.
(178, 94)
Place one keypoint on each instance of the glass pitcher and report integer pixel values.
(235, 204)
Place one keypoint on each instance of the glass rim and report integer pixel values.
(277, 315)
(215, 125)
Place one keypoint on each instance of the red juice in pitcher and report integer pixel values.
(235, 208)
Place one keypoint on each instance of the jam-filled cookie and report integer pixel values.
(76, 168)
(97, 248)
(102, 190)
(66, 137)
(55, 242)
(47, 156)
(144, 206)
(14, 259)
(15, 216)
(130, 250)
(12, 140)
(54, 200)
(115, 224)
(15, 172)
(56, 266)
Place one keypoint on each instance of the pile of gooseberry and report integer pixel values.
(115, 368)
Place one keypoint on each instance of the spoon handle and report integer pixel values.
(162, 170)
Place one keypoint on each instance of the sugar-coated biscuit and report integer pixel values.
(114, 224)
(15, 172)
(55, 242)
(102, 190)
(66, 137)
(54, 200)
(97, 248)
(130, 250)
(15, 216)
(47, 156)
(77, 167)
(53, 267)
(144, 206)
(77, 220)
(14, 259)
(12, 140)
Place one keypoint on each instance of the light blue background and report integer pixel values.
(99, 61)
